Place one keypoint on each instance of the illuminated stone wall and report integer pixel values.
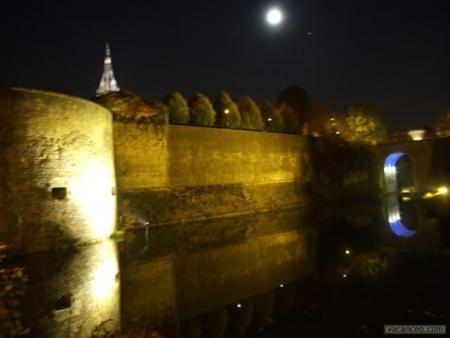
(178, 173)
(205, 156)
(141, 156)
(57, 179)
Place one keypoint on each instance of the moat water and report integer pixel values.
(312, 273)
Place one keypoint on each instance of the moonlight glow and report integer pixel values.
(274, 16)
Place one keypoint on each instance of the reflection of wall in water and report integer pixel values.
(74, 294)
(188, 283)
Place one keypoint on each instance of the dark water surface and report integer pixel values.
(293, 273)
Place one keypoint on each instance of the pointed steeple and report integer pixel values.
(108, 82)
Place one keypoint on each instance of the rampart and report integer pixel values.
(57, 180)
(61, 157)
(176, 173)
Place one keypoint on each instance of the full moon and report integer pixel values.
(274, 16)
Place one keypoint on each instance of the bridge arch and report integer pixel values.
(398, 171)
(398, 177)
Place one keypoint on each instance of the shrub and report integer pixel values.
(364, 124)
(291, 124)
(202, 112)
(250, 114)
(126, 106)
(227, 112)
(178, 108)
(271, 117)
(443, 124)
(161, 113)
(13, 282)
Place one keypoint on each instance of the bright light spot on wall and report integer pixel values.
(428, 195)
(92, 190)
(347, 252)
(226, 111)
(281, 285)
(103, 284)
(417, 134)
(344, 275)
(238, 305)
(442, 190)
(269, 119)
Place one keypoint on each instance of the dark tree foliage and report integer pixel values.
(178, 108)
(161, 112)
(322, 119)
(202, 111)
(443, 124)
(297, 99)
(13, 282)
(227, 112)
(291, 124)
(364, 124)
(271, 117)
(127, 106)
(250, 114)
(314, 116)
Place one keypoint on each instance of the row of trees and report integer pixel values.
(200, 111)
(224, 112)
(295, 112)
(360, 124)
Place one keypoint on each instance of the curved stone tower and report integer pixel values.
(57, 180)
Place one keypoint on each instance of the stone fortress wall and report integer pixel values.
(57, 180)
(60, 156)
(179, 173)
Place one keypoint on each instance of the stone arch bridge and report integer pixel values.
(428, 163)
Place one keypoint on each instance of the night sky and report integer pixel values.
(393, 53)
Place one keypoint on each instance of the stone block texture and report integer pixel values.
(181, 173)
(57, 170)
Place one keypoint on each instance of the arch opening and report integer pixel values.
(398, 173)
(398, 178)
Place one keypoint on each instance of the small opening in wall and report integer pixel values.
(59, 193)
(64, 302)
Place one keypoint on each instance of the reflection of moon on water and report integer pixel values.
(394, 218)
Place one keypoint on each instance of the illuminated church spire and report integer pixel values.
(108, 82)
